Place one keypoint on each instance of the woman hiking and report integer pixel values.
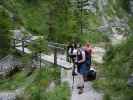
(88, 52)
(82, 68)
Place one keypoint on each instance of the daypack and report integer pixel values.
(70, 50)
(91, 75)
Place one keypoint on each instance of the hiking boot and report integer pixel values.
(80, 91)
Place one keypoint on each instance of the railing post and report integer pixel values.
(14, 43)
(40, 59)
(23, 46)
(55, 56)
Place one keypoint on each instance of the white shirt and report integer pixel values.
(83, 55)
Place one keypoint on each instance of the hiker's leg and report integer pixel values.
(80, 84)
(80, 81)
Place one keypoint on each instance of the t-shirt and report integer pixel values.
(81, 55)
(88, 50)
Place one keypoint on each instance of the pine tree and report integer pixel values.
(38, 47)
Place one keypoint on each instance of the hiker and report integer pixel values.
(69, 51)
(73, 57)
(82, 69)
(88, 52)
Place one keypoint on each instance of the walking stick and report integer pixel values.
(73, 74)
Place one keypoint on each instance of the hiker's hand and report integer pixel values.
(74, 73)
(76, 62)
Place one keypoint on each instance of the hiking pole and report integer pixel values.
(73, 82)
(73, 72)
(73, 75)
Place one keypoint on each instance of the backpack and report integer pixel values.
(70, 50)
(91, 75)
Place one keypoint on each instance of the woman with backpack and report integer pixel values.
(88, 52)
(70, 49)
(83, 64)
(82, 68)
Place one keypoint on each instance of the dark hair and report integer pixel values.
(78, 45)
(74, 45)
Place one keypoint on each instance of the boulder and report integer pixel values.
(130, 81)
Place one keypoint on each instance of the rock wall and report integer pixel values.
(7, 64)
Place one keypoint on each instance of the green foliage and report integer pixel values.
(39, 45)
(130, 23)
(124, 4)
(45, 17)
(13, 82)
(117, 8)
(5, 35)
(37, 90)
(59, 93)
(35, 85)
(91, 21)
(116, 70)
(26, 58)
(94, 37)
(53, 18)
(62, 22)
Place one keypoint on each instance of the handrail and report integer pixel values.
(52, 46)
(55, 43)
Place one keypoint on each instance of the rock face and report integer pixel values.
(98, 54)
(104, 10)
(90, 5)
(7, 96)
(7, 64)
(130, 81)
(11, 95)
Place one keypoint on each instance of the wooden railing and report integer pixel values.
(52, 45)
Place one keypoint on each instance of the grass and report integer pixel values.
(115, 72)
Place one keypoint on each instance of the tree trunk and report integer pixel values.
(81, 23)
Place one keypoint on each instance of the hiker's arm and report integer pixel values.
(83, 58)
